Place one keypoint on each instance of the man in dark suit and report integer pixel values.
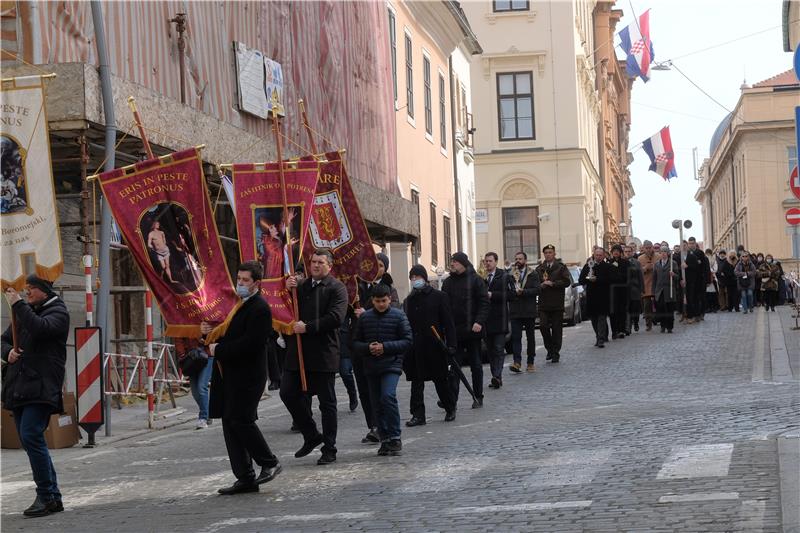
(322, 304)
(522, 311)
(497, 323)
(238, 381)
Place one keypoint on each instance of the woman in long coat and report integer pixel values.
(666, 277)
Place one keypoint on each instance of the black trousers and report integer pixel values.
(665, 311)
(770, 299)
(600, 326)
(362, 384)
(246, 444)
(321, 384)
(418, 396)
(550, 327)
(273, 362)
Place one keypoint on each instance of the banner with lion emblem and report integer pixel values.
(31, 242)
(336, 224)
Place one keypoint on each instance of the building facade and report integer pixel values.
(614, 90)
(422, 37)
(744, 185)
(536, 114)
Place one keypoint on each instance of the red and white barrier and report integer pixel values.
(87, 271)
(89, 372)
(148, 313)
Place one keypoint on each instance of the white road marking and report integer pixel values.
(543, 506)
(575, 467)
(445, 475)
(751, 515)
(165, 461)
(702, 460)
(232, 522)
(10, 487)
(758, 356)
(699, 497)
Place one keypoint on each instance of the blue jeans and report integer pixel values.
(747, 299)
(199, 386)
(31, 421)
(383, 394)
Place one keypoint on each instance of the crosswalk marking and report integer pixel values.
(698, 497)
(540, 506)
(573, 467)
(446, 475)
(702, 460)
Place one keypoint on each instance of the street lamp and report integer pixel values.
(623, 230)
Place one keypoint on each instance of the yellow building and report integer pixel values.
(536, 113)
(744, 185)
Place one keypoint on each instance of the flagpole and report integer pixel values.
(289, 252)
(148, 295)
(306, 126)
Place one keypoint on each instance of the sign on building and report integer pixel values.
(257, 78)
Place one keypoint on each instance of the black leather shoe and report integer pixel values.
(59, 507)
(549, 357)
(274, 385)
(600, 344)
(371, 437)
(308, 446)
(395, 447)
(353, 404)
(556, 358)
(440, 404)
(41, 508)
(240, 487)
(268, 473)
(384, 449)
(494, 383)
(478, 403)
(450, 416)
(416, 421)
(327, 458)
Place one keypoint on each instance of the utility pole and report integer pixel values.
(180, 27)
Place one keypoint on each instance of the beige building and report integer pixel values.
(536, 114)
(744, 185)
(614, 88)
(423, 35)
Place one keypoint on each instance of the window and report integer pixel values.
(434, 243)
(393, 45)
(409, 78)
(414, 246)
(515, 106)
(447, 246)
(426, 74)
(442, 114)
(791, 154)
(521, 231)
(511, 5)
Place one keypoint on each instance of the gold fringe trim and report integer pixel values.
(183, 331)
(219, 331)
(282, 327)
(51, 273)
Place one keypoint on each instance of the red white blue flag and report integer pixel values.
(638, 47)
(662, 158)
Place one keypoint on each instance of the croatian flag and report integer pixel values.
(662, 158)
(639, 48)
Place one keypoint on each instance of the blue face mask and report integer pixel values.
(418, 283)
(242, 291)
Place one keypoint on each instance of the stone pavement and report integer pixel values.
(655, 432)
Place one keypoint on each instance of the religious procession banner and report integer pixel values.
(262, 227)
(31, 242)
(161, 207)
(336, 224)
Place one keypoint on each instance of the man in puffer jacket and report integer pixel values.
(382, 337)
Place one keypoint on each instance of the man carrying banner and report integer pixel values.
(238, 381)
(33, 380)
(322, 304)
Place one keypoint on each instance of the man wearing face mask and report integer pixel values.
(33, 378)
(425, 361)
(238, 381)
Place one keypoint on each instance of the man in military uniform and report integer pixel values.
(555, 278)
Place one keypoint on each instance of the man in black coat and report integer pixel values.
(497, 286)
(595, 277)
(620, 292)
(33, 374)
(469, 303)
(426, 361)
(522, 311)
(238, 380)
(554, 280)
(322, 304)
(693, 284)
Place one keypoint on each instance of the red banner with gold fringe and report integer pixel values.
(162, 209)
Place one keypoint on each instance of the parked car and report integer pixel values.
(575, 272)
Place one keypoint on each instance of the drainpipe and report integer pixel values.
(456, 188)
(180, 27)
(104, 290)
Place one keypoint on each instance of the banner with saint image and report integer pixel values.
(161, 207)
(262, 227)
(31, 242)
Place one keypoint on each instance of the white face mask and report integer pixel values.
(242, 291)
(418, 283)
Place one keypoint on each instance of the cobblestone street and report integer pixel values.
(656, 432)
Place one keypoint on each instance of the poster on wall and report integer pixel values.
(258, 80)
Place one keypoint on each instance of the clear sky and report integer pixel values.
(680, 27)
